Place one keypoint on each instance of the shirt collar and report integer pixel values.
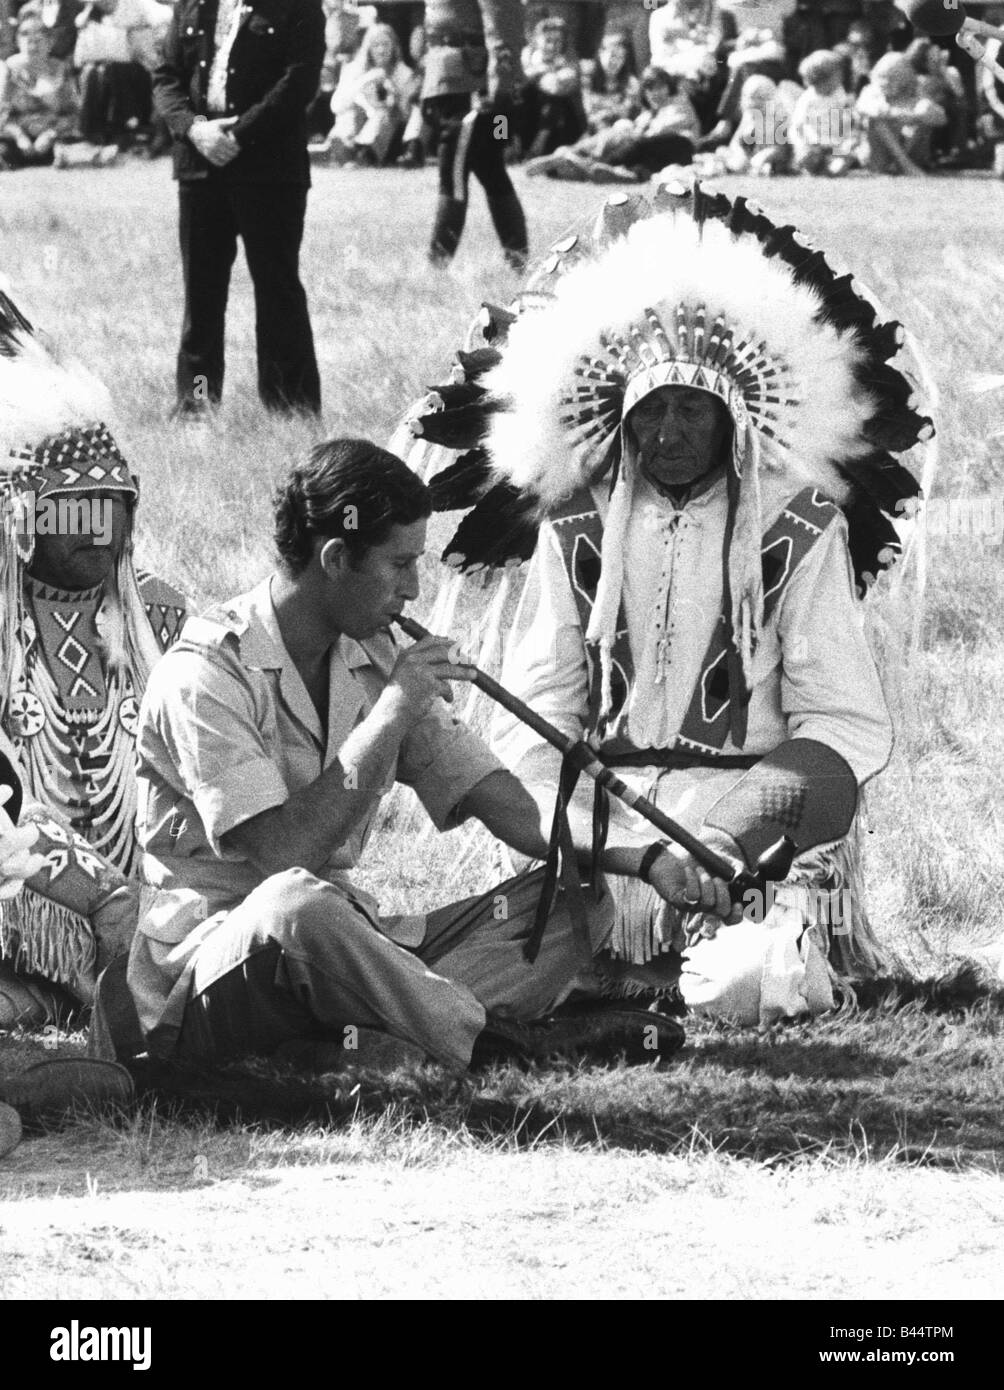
(253, 621)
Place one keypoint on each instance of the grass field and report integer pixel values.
(859, 1142)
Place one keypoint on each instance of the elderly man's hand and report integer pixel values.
(16, 861)
(214, 142)
(680, 880)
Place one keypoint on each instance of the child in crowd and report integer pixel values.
(552, 99)
(760, 145)
(372, 100)
(664, 133)
(614, 92)
(856, 53)
(822, 123)
(898, 119)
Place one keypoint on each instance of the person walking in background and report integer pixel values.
(472, 73)
(234, 87)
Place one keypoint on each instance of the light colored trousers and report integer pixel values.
(298, 959)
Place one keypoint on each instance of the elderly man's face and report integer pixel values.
(84, 554)
(680, 434)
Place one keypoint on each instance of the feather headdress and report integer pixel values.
(54, 442)
(686, 289)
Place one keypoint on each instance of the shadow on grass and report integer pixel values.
(876, 1086)
(919, 1082)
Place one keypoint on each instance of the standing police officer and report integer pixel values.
(234, 87)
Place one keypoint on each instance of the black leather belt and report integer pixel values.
(677, 760)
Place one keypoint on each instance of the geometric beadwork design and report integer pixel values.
(81, 459)
(26, 714)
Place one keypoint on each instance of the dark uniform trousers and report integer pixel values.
(269, 220)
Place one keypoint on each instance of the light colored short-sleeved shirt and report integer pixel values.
(227, 731)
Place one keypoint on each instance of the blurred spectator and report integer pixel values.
(761, 144)
(584, 22)
(665, 132)
(553, 114)
(757, 53)
(372, 101)
(691, 39)
(403, 16)
(891, 31)
(613, 92)
(762, 15)
(943, 85)
(60, 19)
(991, 122)
(8, 41)
(856, 52)
(898, 119)
(117, 49)
(38, 98)
(340, 31)
(822, 124)
(817, 24)
(685, 36)
(630, 18)
(417, 135)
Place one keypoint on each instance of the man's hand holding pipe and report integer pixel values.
(680, 881)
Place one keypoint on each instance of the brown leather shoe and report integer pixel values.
(50, 1091)
(502, 1041)
(605, 1032)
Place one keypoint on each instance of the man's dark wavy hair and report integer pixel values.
(349, 489)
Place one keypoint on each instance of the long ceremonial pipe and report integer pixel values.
(583, 757)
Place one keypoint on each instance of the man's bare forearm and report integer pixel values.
(520, 816)
(305, 830)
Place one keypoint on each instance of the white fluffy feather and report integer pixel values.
(41, 395)
(663, 261)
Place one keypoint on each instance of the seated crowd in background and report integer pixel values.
(774, 86)
(77, 89)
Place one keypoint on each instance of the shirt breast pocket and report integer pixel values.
(264, 28)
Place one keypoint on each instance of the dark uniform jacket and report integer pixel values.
(274, 74)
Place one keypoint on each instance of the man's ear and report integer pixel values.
(334, 557)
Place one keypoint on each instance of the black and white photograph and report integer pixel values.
(501, 660)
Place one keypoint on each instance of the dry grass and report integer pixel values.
(525, 1183)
